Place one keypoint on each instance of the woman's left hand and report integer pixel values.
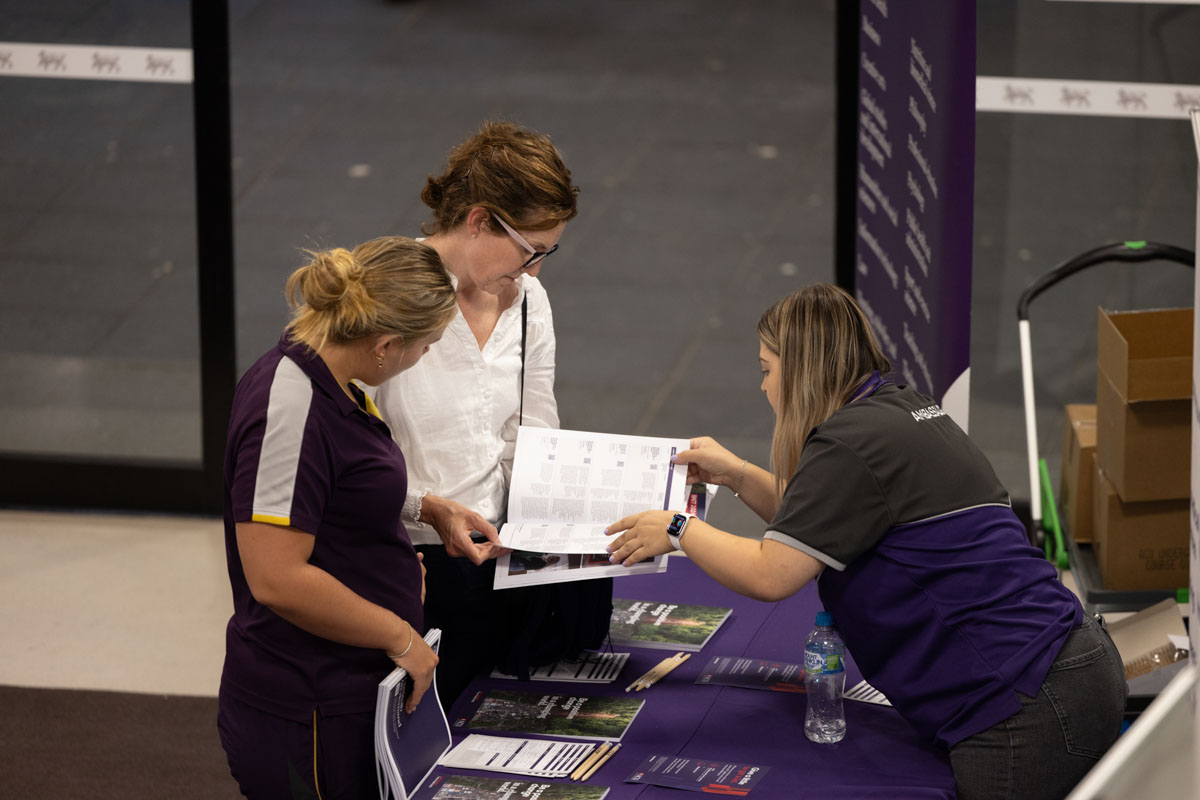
(645, 536)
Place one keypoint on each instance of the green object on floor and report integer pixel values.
(1054, 539)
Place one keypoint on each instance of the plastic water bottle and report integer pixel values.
(824, 681)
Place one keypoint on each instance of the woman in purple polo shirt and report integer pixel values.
(327, 587)
(875, 492)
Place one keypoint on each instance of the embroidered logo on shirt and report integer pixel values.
(929, 412)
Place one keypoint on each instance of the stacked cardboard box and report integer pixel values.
(1078, 471)
(1143, 448)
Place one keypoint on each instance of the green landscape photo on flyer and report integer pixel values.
(556, 715)
(651, 623)
(463, 787)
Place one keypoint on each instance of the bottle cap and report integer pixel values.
(825, 619)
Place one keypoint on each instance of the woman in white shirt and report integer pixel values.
(499, 208)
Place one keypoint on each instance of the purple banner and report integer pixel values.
(916, 165)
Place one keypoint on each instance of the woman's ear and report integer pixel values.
(479, 220)
(384, 341)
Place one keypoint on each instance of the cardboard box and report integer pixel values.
(1143, 399)
(1145, 448)
(1139, 546)
(1146, 354)
(1075, 488)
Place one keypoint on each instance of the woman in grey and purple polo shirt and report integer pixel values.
(327, 588)
(943, 603)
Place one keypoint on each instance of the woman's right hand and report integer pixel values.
(419, 663)
(709, 462)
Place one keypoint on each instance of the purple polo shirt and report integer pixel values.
(300, 453)
(930, 577)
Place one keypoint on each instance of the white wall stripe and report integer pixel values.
(1095, 98)
(95, 62)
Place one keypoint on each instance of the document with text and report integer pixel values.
(568, 486)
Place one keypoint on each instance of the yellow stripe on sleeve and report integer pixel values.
(285, 521)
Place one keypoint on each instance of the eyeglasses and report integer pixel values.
(535, 256)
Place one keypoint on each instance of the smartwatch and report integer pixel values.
(675, 529)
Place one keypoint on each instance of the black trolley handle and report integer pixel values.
(1124, 251)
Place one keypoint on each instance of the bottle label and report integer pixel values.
(817, 663)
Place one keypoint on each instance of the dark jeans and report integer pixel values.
(459, 599)
(1050, 744)
(273, 758)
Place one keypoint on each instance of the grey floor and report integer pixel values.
(700, 131)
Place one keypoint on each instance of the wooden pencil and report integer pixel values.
(671, 664)
(652, 670)
(591, 759)
(601, 762)
(649, 676)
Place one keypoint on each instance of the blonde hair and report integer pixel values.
(514, 173)
(392, 284)
(826, 351)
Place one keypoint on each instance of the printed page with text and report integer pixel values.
(568, 486)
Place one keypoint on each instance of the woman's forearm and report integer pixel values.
(757, 490)
(315, 601)
(763, 570)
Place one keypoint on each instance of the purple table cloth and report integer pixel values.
(881, 756)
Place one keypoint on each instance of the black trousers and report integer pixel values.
(460, 600)
(1056, 737)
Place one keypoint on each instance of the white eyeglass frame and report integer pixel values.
(535, 255)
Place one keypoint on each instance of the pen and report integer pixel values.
(590, 760)
(640, 683)
(661, 670)
(664, 673)
(601, 762)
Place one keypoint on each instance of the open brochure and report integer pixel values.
(523, 568)
(568, 486)
(407, 746)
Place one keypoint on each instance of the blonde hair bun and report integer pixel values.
(392, 284)
(328, 278)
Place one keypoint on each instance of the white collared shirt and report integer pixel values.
(454, 414)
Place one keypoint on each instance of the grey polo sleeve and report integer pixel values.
(833, 508)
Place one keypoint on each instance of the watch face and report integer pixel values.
(676, 524)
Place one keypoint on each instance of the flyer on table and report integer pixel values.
(699, 775)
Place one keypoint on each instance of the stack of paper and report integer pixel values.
(589, 668)
(407, 746)
(543, 758)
